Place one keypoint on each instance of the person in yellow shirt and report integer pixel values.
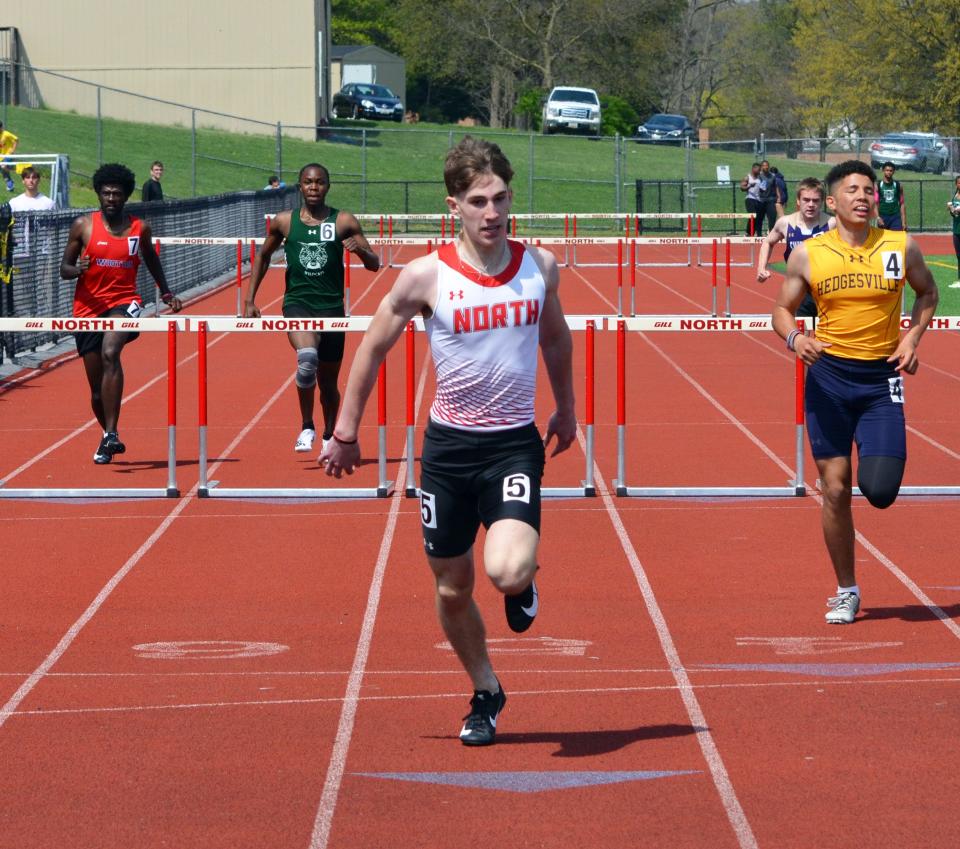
(856, 359)
(8, 145)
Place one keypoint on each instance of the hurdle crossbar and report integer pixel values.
(171, 326)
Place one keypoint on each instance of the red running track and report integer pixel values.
(198, 672)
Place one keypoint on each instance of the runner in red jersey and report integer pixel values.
(103, 254)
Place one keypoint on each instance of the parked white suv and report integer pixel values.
(570, 109)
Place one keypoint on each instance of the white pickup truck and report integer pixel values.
(570, 109)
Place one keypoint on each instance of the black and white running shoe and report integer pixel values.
(522, 609)
(109, 445)
(480, 725)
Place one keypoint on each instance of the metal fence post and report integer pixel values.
(363, 170)
(193, 151)
(99, 131)
(279, 153)
(616, 171)
(530, 177)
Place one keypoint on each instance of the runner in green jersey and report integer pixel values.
(314, 238)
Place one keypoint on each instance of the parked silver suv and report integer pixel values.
(916, 151)
(570, 109)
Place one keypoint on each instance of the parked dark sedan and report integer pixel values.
(366, 100)
(665, 129)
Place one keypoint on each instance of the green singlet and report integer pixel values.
(889, 197)
(314, 264)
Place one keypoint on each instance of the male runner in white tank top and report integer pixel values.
(488, 303)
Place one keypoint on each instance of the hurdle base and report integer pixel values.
(567, 491)
(708, 491)
(386, 490)
(921, 490)
(117, 493)
(412, 492)
(213, 490)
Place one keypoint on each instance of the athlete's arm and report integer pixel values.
(921, 281)
(72, 265)
(354, 241)
(777, 234)
(413, 292)
(279, 228)
(903, 207)
(795, 286)
(152, 262)
(556, 345)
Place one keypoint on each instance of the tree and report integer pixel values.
(879, 63)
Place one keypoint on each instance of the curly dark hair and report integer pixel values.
(845, 169)
(114, 174)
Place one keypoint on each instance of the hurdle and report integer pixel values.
(587, 487)
(752, 323)
(171, 326)
(207, 488)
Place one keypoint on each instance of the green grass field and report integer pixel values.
(398, 168)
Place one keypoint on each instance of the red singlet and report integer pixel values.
(111, 279)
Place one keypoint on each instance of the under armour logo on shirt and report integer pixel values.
(460, 294)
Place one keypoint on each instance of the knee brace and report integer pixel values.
(307, 363)
(879, 479)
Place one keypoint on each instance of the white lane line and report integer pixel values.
(341, 745)
(67, 640)
(90, 422)
(718, 772)
(553, 691)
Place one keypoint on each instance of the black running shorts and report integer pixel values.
(469, 477)
(87, 342)
(330, 343)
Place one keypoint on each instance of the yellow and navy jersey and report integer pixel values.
(858, 292)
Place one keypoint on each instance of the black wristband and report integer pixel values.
(345, 441)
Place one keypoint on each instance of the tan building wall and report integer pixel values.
(237, 57)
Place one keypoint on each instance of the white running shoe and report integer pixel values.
(323, 446)
(843, 608)
(305, 440)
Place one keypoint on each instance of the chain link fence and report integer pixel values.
(40, 238)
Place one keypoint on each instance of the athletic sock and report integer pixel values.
(308, 426)
(327, 435)
(854, 589)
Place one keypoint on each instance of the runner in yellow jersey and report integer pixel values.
(856, 359)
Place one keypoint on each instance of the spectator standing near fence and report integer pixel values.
(488, 303)
(890, 202)
(314, 238)
(953, 207)
(103, 253)
(31, 199)
(152, 189)
(751, 185)
(856, 359)
(8, 146)
(782, 194)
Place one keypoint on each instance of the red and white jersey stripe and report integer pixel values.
(484, 334)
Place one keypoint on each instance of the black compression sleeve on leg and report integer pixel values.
(879, 479)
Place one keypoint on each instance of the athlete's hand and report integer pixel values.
(809, 348)
(352, 244)
(173, 302)
(905, 357)
(83, 263)
(763, 275)
(250, 310)
(339, 457)
(563, 426)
